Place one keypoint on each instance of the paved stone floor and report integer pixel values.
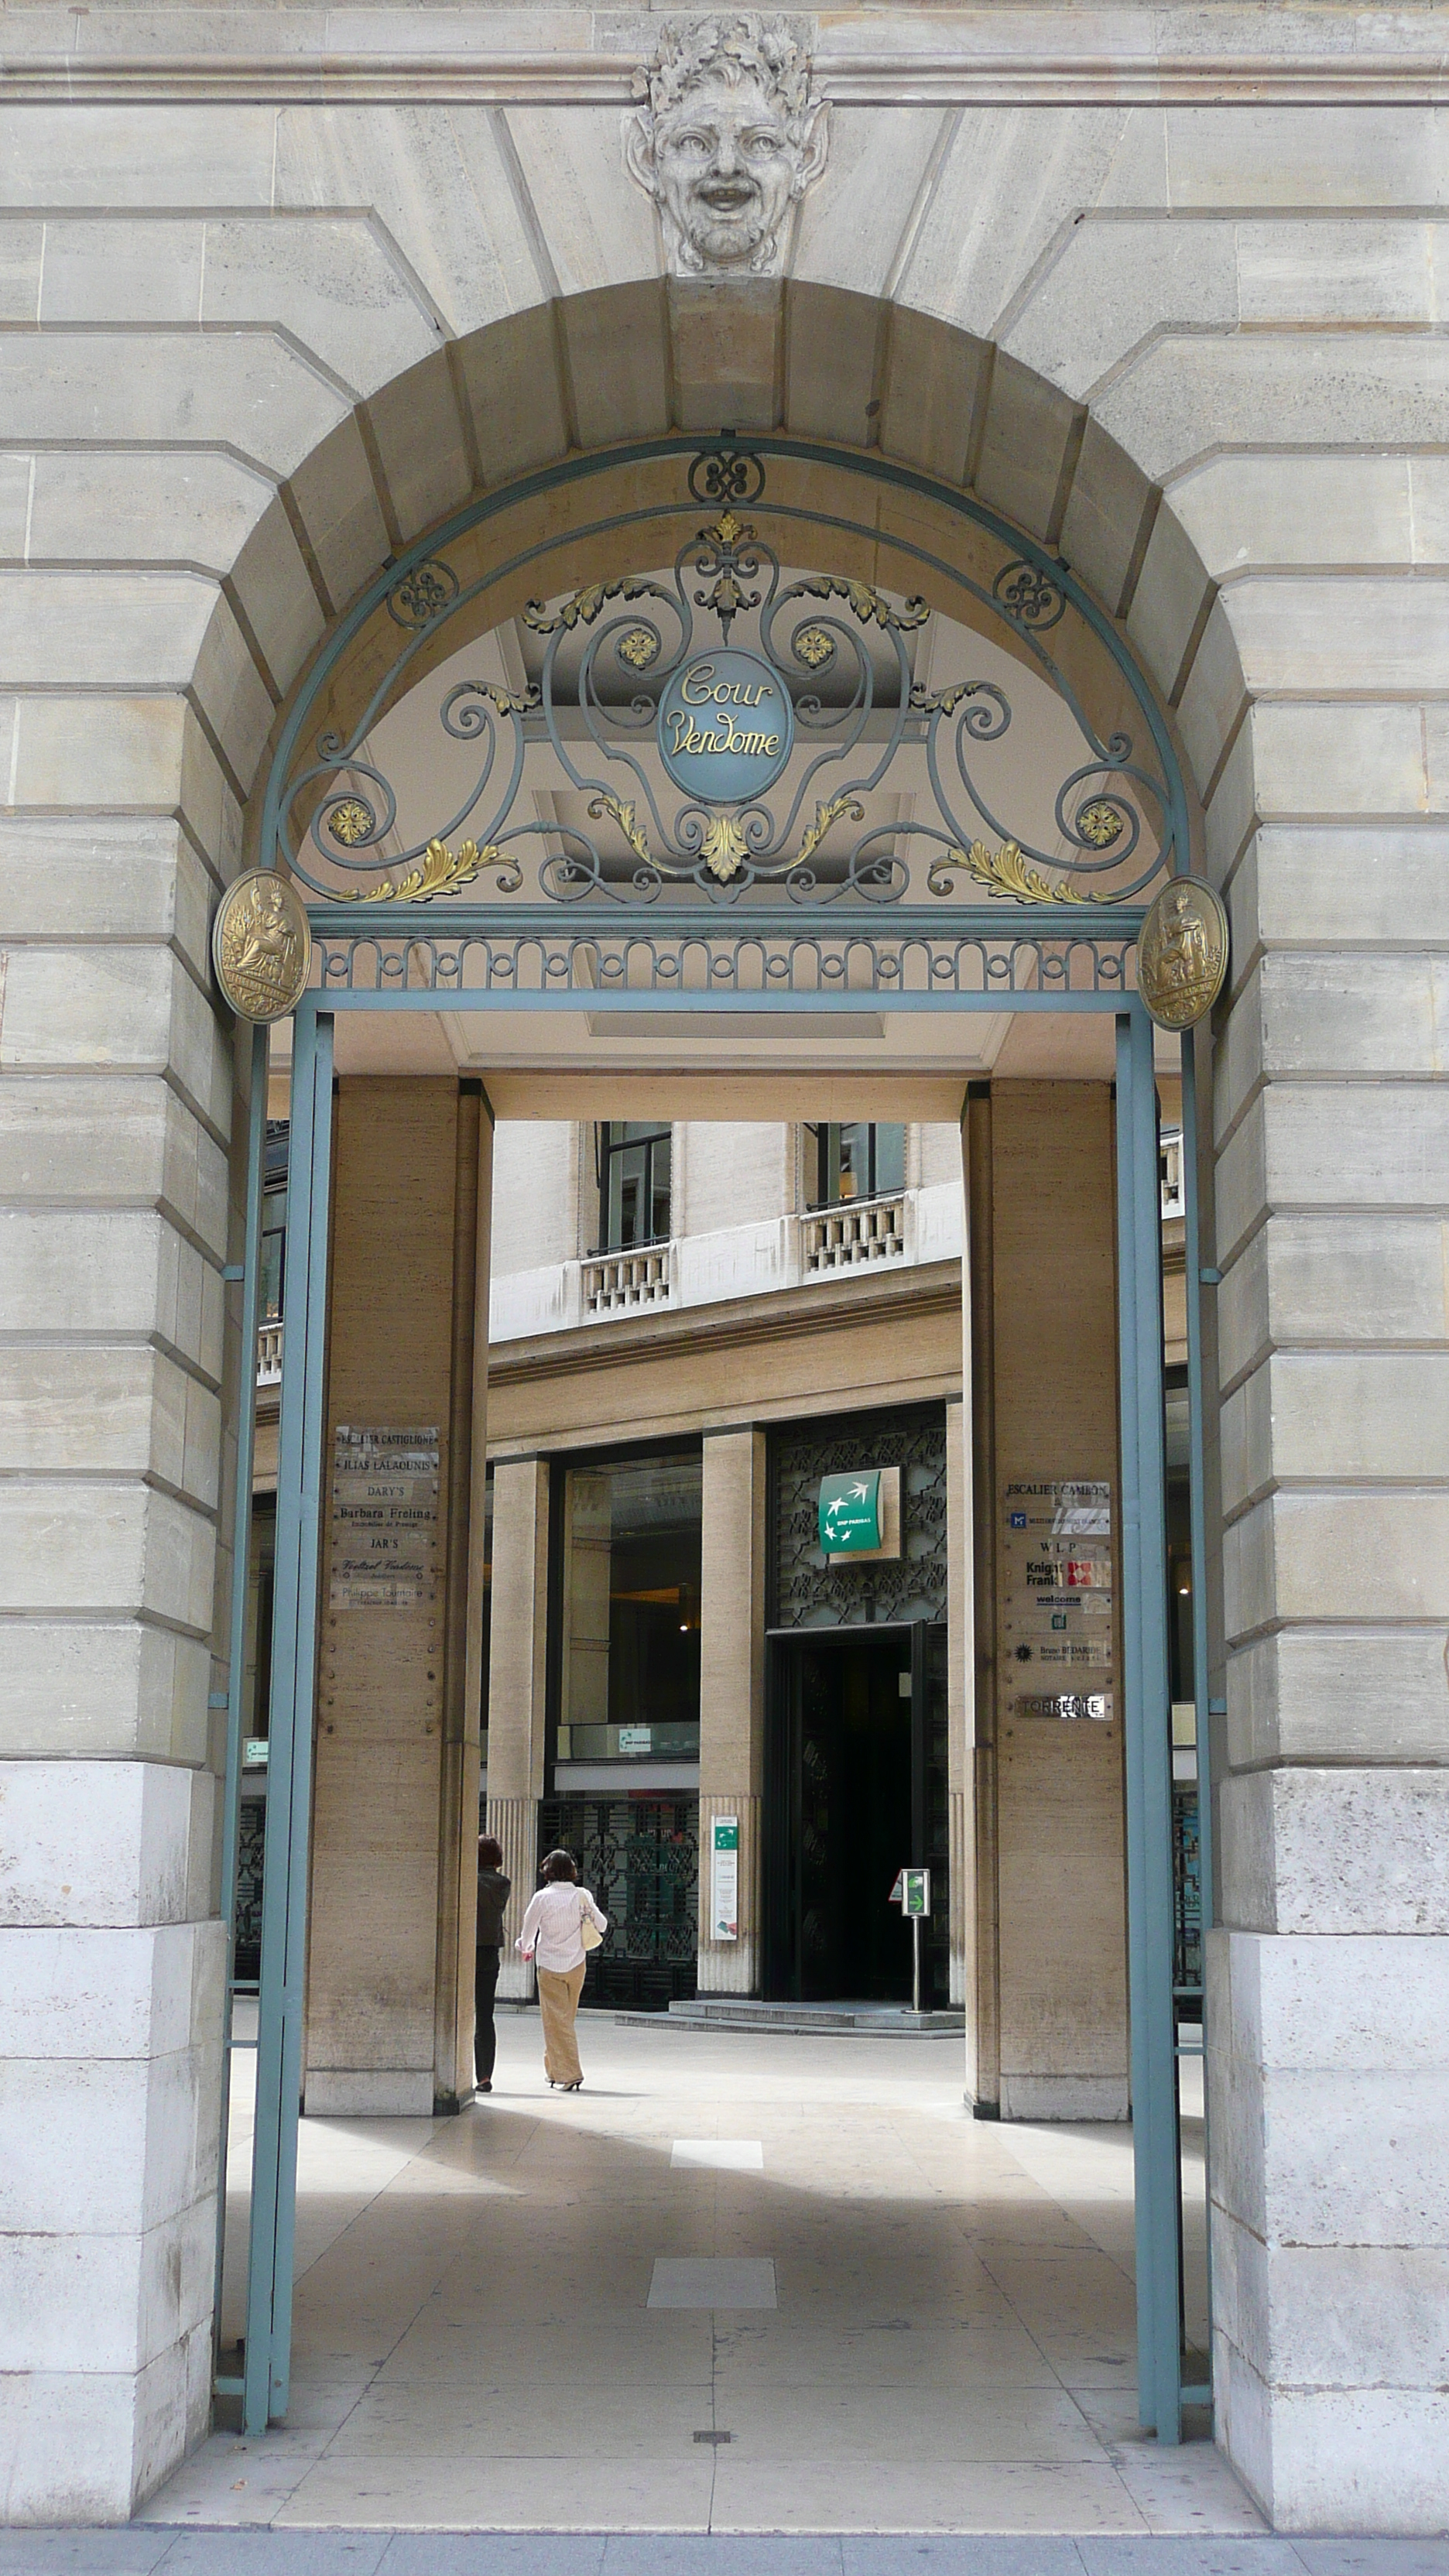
(951, 2350)
(156, 2550)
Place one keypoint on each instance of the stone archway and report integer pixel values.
(1071, 382)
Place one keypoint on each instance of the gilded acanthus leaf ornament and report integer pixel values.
(840, 808)
(441, 871)
(1002, 872)
(621, 810)
(723, 847)
(870, 606)
(583, 607)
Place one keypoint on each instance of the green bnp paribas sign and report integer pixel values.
(850, 1512)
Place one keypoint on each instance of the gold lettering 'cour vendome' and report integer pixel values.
(726, 727)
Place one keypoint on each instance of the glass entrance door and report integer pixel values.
(858, 1739)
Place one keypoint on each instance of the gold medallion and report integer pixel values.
(1182, 953)
(261, 946)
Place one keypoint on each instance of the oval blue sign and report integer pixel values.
(726, 728)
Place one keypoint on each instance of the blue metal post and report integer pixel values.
(1197, 1502)
(289, 1762)
(1197, 1481)
(241, 1542)
(1148, 1733)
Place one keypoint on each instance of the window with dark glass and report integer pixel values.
(633, 1184)
(629, 1665)
(859, 1160)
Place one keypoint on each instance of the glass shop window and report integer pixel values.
(860, 1160)
(630, 1647)
(633, 1184)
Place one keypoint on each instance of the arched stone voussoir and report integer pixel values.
(609, 372)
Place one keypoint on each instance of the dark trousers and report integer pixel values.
(485, 2037)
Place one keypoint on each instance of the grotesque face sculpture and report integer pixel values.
(729, 138)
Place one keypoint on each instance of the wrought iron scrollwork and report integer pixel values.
(423, 595)
(727, 474)
(843, 652)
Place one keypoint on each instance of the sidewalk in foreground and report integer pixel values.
(154, 2549)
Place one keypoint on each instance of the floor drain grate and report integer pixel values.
(714, 2438)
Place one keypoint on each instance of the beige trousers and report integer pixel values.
(558, 2001)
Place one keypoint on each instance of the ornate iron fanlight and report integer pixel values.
(830, 674)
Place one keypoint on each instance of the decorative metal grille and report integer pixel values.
(965, 957)
(811, 1594)
(640, 1856)
(250, 1854)
(1187, 1901)
(834, 656)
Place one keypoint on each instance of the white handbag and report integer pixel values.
(589, 1932)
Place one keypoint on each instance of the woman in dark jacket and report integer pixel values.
(493, 1890)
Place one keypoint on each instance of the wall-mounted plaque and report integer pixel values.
(1056, 1598)
(384, 1517)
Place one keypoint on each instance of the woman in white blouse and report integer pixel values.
(553, 1937)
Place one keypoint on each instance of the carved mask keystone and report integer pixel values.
(726, 140)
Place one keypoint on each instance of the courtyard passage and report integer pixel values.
(743, 2282)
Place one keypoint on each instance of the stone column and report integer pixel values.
(1062, 1913)
(732, 1692)
(1328, 1981)
(517, 1688)
(977, 1823)
(120, 1365)
(373, 1949)
(462, 1671)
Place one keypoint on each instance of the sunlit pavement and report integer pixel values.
(951, 2352)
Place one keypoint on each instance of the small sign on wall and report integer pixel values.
(859, 1515)
(384, 1517)
(1057, 1596)
(724, 1878)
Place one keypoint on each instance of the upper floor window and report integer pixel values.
(633, 1184)
(857, 1161)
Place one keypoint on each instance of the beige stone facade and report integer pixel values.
(1163, 288)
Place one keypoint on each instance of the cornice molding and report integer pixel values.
(737, 1323)
(1029, 76)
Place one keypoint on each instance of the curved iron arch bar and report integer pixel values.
(577, 469)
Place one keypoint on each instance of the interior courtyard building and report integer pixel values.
(723, 937)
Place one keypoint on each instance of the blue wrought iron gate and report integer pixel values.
(724, 940)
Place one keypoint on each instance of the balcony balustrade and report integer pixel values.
(618, 1283)
(269, 1353)
(849, 1236)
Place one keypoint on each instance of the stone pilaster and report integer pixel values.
(372, 1957)
(1060, 1823)
(732, 1691)
(121, 1380)
(517, 1684)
